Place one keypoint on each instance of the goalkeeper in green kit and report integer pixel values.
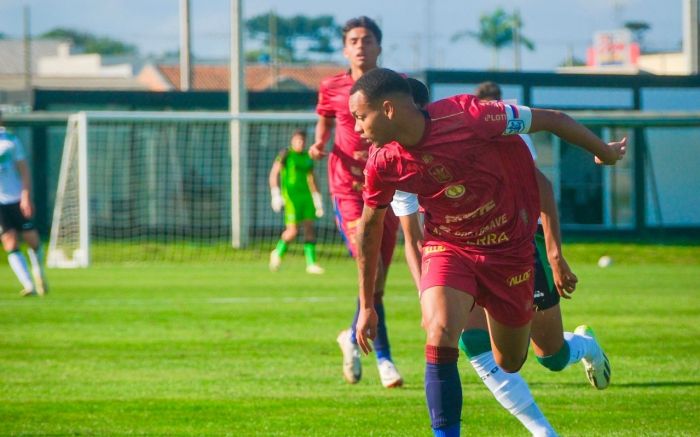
(298, 193)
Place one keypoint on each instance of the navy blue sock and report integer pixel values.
(443, 390)
(381, 343)
(447, 431)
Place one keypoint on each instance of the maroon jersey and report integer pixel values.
(472, 174)
(349, 155)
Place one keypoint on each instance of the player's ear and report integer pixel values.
(388, 109)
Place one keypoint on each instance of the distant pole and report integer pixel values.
(185, 46)
(429, 5)
(274, 60)
(237, 96)
(28, 57)
(516, 40)
(240, 212)
(691, 46)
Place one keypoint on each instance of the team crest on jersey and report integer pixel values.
(455, 191)
(440, 173)
(427, 158)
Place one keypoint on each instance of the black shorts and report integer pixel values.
(546, 295)
(11, 218)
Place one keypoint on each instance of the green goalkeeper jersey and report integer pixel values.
(295, 170)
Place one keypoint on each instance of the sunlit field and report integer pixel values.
(199, 348)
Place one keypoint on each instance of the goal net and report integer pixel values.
(147, 186)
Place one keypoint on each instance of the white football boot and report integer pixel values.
(275, 261)
(389, 375)
(597, 368)
(314, 269)
(352, 366)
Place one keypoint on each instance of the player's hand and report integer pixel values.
(616, 150)
(564, 279)
(317, 152)
(366, 329)
(318, 203)
(26, 207)
(277, 201)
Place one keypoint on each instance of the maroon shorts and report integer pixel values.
(503, 285)
(348, 212)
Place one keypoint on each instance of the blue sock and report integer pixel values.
(353, 330)
(381, 343)
(443, 390)
(447, 431)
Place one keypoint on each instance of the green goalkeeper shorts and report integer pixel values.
(298, 209)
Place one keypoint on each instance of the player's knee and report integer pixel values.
(438, 332)
(475, 342)
(511, 364)
(558, 361)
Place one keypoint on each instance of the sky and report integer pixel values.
(416, 32)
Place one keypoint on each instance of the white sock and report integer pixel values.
(580, 346)
(37, 259)
(535, 422)
(19, 266)
(512, 392)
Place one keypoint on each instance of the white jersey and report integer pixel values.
(11, 151)
(405, 203)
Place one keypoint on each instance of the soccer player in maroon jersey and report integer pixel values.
(476, 180)
(362, 40)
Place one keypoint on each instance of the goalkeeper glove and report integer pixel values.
(318, 203)
(277, 200)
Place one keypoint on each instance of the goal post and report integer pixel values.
(168, 186)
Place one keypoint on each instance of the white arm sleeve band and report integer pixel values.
(404, 203)
(518, 119)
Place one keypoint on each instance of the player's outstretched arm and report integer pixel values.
(369, 238)
(324, 127)
(564, 279)
(574, 132)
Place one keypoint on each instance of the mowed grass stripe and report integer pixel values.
(235, 350)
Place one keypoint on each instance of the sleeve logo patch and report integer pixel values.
(515, 127)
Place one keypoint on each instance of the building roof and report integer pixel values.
(12, 53)
(257, 77)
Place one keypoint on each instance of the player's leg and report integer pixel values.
(346, 218)
(36, 256)
(554, 348)
(11, 220)
(444, 313)
(17, 261)
(288, 235)
(388, 373)
(310, 248)
(509, 389)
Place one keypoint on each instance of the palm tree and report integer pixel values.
(498, 30)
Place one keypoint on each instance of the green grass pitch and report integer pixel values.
(232, 349)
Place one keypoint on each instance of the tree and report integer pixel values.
(293, 39)
(90, 43)
(498, 30)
